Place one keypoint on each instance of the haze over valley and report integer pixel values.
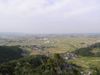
(49, 37)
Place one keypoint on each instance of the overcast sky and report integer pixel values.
(50, 16)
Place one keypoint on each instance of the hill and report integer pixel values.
(39, 65)
(8, 53)
(92, 50)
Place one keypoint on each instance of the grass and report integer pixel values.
(68, 44)
(86, 62)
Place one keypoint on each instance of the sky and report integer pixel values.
(50, 16)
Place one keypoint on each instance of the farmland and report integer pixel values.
(81, 50)
(51, 43)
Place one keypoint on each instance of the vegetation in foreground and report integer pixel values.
(8, 53)
(40, 65)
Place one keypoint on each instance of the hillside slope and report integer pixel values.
(8, 53)
(92, 50)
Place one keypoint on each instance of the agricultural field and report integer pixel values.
(80, 50)
(50, 43)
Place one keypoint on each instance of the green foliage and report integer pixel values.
(39, 65)
(95, 70)
(58, 66)
(8, 53)
(93, 50)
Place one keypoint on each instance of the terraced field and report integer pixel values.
(68, 44)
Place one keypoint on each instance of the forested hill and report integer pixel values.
(92, 50)
(8, 53)
(39, 65)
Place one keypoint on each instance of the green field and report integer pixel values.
(86, 48)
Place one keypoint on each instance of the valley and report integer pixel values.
(79, 52)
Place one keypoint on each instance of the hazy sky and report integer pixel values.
(50, 16)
